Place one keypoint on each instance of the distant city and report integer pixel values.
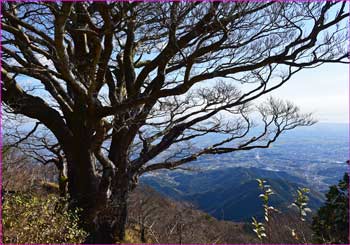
(315, 157)
(317, 154)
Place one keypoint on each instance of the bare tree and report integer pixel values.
(36, 144)
(142, 209)
(123, 86)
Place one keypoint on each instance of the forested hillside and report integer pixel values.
(231, 193)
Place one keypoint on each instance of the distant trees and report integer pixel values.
(331, 223)
(125, 87)
(19, 173)
(161, 220)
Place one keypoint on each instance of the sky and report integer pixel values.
(324, 91)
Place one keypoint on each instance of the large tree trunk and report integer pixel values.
(83, 187)
(110, 223)
(82, 182)
(104, 220)
(102, 216)
(121, 187)
(120, 199)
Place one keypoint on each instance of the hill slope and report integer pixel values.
(230, 193)
(167, 221)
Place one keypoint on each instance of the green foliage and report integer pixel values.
(33, 219)
(301, 203)
(267, 192)
(208, 217)
(266, 230)
(331, 223)
(258, 227)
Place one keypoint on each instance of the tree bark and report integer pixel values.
(120, 197)
(121, 187)
(110, 223)
(104, 219)
(83, 183)
(83, 188)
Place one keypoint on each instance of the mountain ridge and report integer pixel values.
(231, 193)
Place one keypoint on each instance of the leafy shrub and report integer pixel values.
(301, 203)
(35, 219)
(258, 227)
(275, 225)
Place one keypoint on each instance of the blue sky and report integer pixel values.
(323, 91)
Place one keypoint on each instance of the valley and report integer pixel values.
(225, 185)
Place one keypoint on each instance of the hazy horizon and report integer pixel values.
(324, 91)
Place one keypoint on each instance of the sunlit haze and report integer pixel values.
(324, 91)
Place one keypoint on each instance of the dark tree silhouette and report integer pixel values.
(331, 223)
(123, 87)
